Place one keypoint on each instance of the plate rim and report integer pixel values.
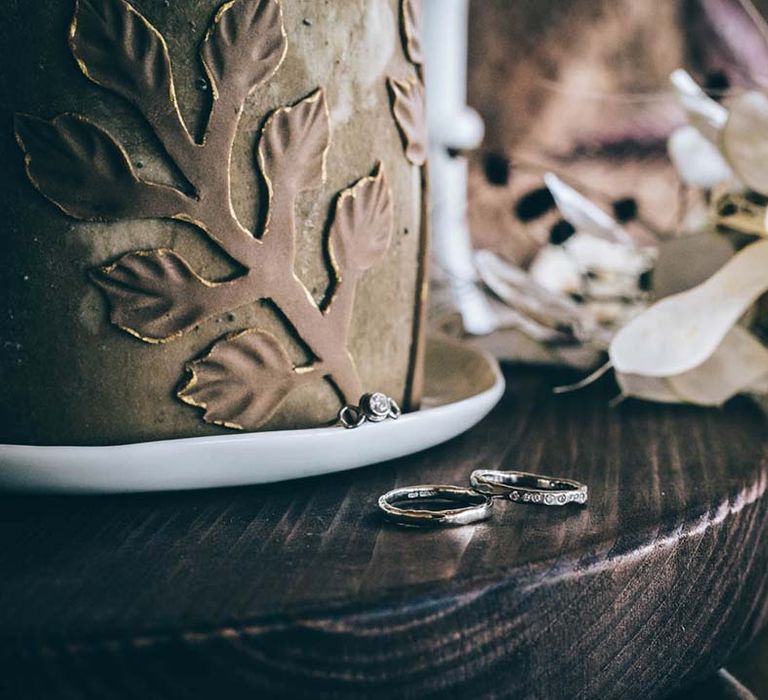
(33, 468)
(497, 387)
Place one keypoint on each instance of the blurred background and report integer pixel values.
(582, 90)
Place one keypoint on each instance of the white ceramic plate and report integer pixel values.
(461, 386)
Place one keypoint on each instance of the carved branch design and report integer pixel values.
(155, 295)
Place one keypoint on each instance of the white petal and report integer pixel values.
(707, 115)
(600, 255)
(583, 214)
(697, 160)
(655, 389)
(615, 271)
(680, 332)
(737, 364)
(556, 271)
(613, 313)
(517, 289)
(759, 386)
(476, 315)
(745, 139)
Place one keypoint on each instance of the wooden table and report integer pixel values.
(300, 590)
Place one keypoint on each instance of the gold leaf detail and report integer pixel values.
(117, 48)
(242, 381)
(409, 110)
(410, 16)
(245, 45)
(294, 143)
(154, 294)
(362, 225)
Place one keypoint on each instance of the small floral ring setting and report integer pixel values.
(471, 505)
(373, 408)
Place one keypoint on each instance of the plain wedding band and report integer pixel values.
(472, 506)
(523, 487)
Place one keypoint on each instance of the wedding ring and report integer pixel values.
(374, 408)
(471, 505)
(523, 487)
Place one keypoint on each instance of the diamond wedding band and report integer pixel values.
(522, 487)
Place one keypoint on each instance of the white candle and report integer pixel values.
(452, 125)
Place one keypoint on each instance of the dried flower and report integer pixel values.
(688, 347)
(745, 139)
(591, 256)
(720, 145)
(680, 332)
(694, 148)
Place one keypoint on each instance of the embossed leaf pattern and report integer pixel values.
(297, 134)
(244, 46)
(362, 225)
(241, 382)
(154, 294)
(79, 167)
(409, 109)
(116, 47)
(410, 12)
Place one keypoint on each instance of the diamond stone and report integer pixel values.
(379, 403)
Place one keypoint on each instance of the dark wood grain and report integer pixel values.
(719, 686)
(300, 590)
(750, 666)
